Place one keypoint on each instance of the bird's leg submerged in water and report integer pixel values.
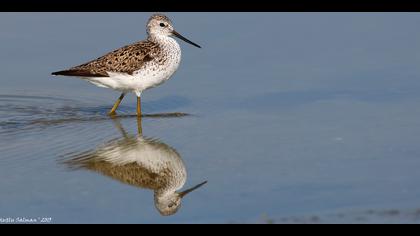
(117, 103)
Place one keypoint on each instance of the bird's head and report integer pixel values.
(161, 25)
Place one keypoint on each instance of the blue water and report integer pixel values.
(294, 117)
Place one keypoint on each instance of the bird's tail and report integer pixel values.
(80, 73)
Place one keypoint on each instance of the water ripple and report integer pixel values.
(34, 127)
(29, 112)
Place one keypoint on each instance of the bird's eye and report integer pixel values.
(162, 25)
(170, 205)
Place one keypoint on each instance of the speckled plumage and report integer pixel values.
(139, 66)
(124, 60)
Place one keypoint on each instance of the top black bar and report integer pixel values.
(207, 5)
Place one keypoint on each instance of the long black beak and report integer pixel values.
(176, 34)
(184, 193)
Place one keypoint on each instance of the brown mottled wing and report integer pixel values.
(131, 174)
(124, 60)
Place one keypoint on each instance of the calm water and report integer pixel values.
(293, 117)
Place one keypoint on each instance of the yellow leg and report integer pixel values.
(138, 107)
(117, 103)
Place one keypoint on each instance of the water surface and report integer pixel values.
(290, 117)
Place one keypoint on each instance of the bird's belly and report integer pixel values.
(149, 76)
(152, 76)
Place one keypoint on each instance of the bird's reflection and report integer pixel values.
(141, 162)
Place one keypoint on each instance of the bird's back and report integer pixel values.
(127, 59)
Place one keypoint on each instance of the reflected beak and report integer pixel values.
(184, 193)
(176, 34)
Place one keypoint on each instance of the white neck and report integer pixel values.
(161, 39)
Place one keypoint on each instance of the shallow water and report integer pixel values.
(316, 122)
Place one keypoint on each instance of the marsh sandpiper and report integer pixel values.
(136, 67)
